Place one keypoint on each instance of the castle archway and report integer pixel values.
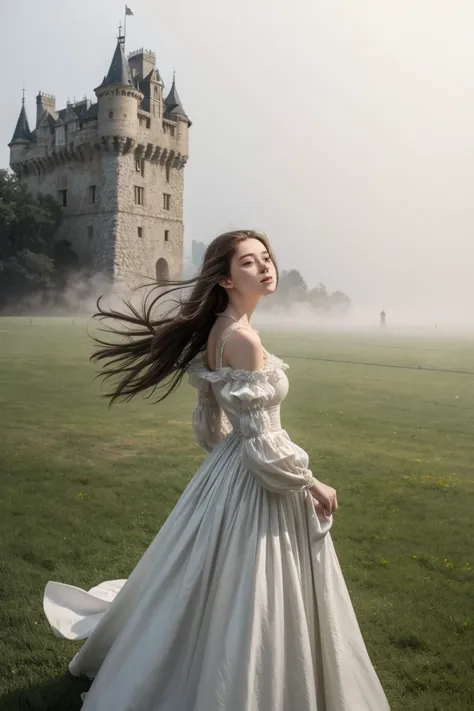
(162, 270)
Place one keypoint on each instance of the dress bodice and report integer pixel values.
(233, 396)
(246, 404)
(223, 381)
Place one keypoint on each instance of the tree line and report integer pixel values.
(34, 265)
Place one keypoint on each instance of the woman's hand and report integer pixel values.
(325, 496)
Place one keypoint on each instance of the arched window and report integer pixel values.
(162, 270)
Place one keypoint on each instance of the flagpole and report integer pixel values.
(125, 25)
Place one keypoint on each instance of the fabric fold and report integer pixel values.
(238, 603)
(72, 612)
(209, 422)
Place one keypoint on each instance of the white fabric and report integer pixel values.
(239, 603)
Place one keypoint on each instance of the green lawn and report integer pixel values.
(84, 490)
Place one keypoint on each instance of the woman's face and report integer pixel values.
(251, 269)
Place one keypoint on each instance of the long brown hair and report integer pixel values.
(154, 349)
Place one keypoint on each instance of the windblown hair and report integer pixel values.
(154, 351)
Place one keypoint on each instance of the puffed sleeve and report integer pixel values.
(209, 423)
(280, 465)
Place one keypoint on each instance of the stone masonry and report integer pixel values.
(117, 168)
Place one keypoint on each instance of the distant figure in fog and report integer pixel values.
(382, 318)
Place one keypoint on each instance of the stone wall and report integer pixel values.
(105, 233)
(136, 256)
(88, 226)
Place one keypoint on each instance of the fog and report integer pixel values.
(79, 299)
(341, 129)
(357, 320)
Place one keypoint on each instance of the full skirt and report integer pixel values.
(238, 604)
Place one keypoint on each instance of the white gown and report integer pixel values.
(239, 603)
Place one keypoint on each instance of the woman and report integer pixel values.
(239, 603)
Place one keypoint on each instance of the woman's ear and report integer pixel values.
(226, 283)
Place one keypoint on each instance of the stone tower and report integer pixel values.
(116, 167)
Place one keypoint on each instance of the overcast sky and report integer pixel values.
(343, 129)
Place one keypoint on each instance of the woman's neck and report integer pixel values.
(239, 312)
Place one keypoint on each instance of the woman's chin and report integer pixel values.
(268, 287)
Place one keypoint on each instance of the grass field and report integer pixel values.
(84, 490)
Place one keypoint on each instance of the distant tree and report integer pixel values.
(26, 222)
(339, 302)
(291, 287)
(318, 297)
(29, 271)
(32, 259)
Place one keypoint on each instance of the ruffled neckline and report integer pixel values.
(268, 372)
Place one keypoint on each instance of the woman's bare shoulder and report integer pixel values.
(243, 350)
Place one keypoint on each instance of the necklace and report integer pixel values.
(227, 316)
(232, 318)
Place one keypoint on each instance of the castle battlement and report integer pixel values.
(116, 167)
(142, 51)
(46, 96)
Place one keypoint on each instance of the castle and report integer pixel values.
(116, 167)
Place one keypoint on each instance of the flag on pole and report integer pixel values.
(128, 11)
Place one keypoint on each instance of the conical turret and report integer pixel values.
(119, 71)
(118, 98)
(174, 107)
(21, 139)
(22, 133)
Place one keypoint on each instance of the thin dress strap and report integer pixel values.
(221, 350)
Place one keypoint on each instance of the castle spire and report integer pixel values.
(22, 133)
(173, 104)
(119, 71)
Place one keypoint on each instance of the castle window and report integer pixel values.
(167, 235)
(172, 130)
(111, 114)
(166, 201)
(140, 166)
(140, 231)
(62, 197)
(60, 136)
(144, 121)
(90, 232)
(92, 193)
(167, 169)
(139, 195)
